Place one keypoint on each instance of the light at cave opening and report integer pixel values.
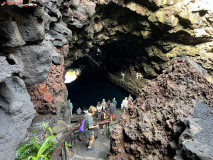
(71, 75)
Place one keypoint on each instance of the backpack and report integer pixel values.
(81, 128)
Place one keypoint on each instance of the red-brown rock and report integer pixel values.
(151, 126)
(48, 97)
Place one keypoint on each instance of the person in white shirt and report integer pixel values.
(124, 104)
(99, 108)
(103, 104)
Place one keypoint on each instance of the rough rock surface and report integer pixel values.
(13, 37)
(16, 112)
(50, 96)
(37, 60)
(6, 69)
(151, 127)
(160, 30)
(28, 54)
(197, 138)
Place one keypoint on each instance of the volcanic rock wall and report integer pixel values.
(151, 127)
(160, 30)
(35, 41)
(31, 77)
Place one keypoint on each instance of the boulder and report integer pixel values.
(17, 112)
(30, 27)
(10, 35)
(61, 34)
(74, 3)
(56, 58)
(37, 60)
(61, 126)
(156, 119)
(198, 128)
(6, 69)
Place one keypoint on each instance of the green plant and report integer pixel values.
(205, 100)
(34, 150)
(67, 145)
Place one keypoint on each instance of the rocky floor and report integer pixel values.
(101, 144)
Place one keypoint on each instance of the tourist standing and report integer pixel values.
(122, 76)
(114, 103)
(88, 126)
(111, 112)
(78, 111)
(130, 97)
(71, 107)
(103, 117)
(85, 110)
(99, 108)
(124, 104)
(103, 104)
(108, 104)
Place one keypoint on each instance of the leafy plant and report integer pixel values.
(34, 150)
(205, 100)
(66, 145)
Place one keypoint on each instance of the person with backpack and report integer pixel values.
(88, 126)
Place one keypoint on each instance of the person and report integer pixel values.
(103, 104)
(103, 117)
(85, 110)
(114, 103)
(99, 108)
(124, 104)
(103, 114)
(122, 76)
(78, 112)
(88, 126)
(111, 112)
(71, 107)
(108, 104)
(130, 97)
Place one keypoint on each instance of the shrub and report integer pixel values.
(35, 150)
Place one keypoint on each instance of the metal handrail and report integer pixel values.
(59, 148)
(61, 143)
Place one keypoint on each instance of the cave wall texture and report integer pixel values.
(160, 124)
(37, 43)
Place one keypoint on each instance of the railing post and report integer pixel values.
(71, 140)
(74, 138)
(62, 154)
(65, 155)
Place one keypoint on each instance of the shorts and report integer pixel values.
(112, 115)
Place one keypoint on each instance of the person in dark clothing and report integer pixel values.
(111, 111)
(103, 117)
(108, 104)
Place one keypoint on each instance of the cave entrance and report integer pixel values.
(101, 63)
(91, 86)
